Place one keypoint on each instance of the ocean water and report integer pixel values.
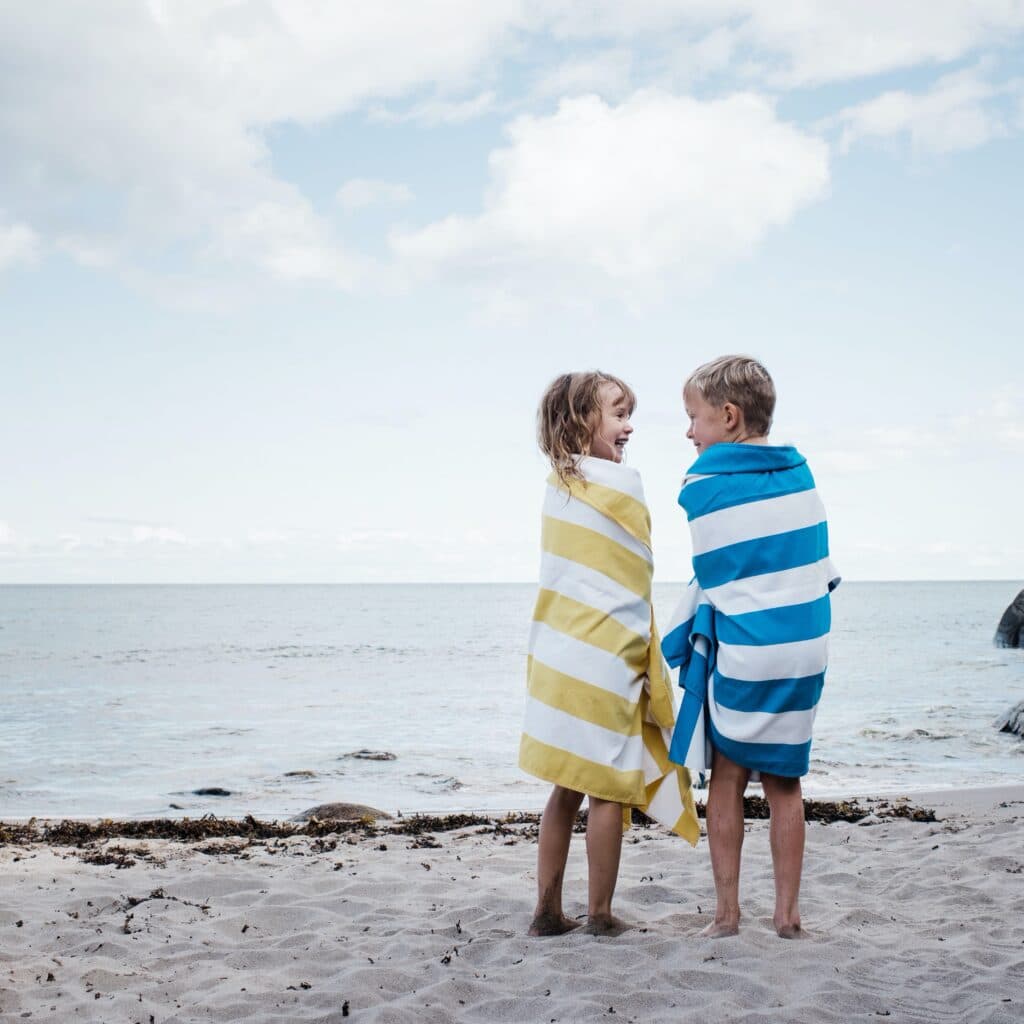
(123, 700)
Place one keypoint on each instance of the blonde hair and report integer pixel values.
(742, 381)
(568, 415)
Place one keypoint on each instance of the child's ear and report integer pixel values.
(732, 414)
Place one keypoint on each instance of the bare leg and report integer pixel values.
(787, 839)
(552, 852)
(604, 847)
(725, 839)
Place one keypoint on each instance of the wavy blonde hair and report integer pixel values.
(568, 415)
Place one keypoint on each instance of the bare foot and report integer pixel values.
(790, 931)
(552, 924)
(606, 924)
(721, 930)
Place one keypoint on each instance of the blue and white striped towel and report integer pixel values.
(750, 636)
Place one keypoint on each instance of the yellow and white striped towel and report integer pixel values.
(600, 712)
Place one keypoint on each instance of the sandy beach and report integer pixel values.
(915, 921)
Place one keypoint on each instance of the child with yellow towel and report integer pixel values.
(599, 713)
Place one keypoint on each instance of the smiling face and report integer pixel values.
(709, 424)
(612, 430)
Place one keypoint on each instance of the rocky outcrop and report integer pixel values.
(341, 812)
(1010, 631)
(1012, 720)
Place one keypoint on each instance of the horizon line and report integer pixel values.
(414, 583)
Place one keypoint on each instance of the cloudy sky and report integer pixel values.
(281, 282)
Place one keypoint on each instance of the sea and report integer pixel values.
(124, 701)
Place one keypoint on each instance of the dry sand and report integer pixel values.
(907, 921)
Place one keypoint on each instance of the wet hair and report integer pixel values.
(742, 381)
(568, 415)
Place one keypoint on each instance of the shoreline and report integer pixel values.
(951, 800)
(424, 919)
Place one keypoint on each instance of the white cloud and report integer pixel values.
(19, 244)
(285, 238)
(843, 39)
(438, 111)
(844, 461)
(154, 114)
(713, 53)
(358, 193)
(973, 553)
(997, 421)
(372, 540)
(799, 42)
(871, 449)
(607, 73)
(957, 113)
(131, 543)
(658, 186)
(95, 252)
(262, 538)
(158, 535)
(150, 119)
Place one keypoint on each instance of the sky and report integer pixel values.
(281, 283)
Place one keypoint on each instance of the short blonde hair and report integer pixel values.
(742, 381)
(568, 416)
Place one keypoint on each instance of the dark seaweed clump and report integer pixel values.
(86, 833)
(828, 811)
(187, 830)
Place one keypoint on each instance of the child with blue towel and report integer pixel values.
(751, 635)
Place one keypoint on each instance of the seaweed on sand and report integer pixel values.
(186, 830)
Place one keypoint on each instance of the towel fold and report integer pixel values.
(600, 710)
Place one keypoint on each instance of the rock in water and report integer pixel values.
(1012, 721)
(372, 755)
(1010, 631)
(341, 812)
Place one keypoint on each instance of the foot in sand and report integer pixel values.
(552, 924)
(606, 924)
(721, 930)
(790, 931)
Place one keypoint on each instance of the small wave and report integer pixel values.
(881, 734)
(285, 652)
(927, 734)
(433, 783)
(132, 657)
(911, 734)
(365, 650)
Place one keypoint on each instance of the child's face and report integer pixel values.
(709, 424)
(613, 428)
